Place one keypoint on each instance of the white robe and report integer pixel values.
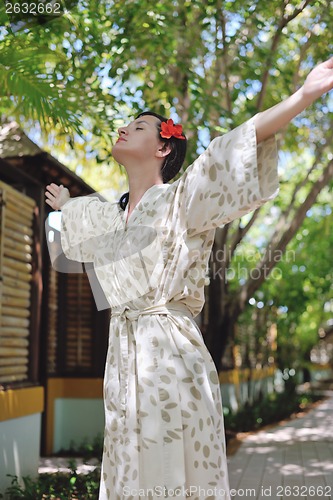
(164, 434)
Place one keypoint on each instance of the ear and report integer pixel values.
(163, 150)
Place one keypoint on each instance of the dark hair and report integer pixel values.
(173, 161)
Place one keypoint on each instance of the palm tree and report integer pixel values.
(41, 82)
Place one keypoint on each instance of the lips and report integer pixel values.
(121, 139)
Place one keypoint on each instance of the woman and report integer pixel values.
(164, 432)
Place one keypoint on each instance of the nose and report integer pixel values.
(122, 131)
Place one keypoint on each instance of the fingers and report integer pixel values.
(52, 204)
(54, 188)
(49, 196)
(49, 203)
(52, 194)
(56, 196)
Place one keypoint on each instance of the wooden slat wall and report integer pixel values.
(79, 323)
(16, 248)
(52, 341)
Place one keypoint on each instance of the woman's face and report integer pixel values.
(138, 142)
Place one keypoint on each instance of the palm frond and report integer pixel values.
(28, 78)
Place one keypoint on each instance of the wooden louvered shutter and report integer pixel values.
(79, 323)
(16, 249)
(52, 341)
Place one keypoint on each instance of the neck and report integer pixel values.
(138, 185)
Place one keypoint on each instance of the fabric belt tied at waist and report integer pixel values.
(177, 308)
(127, 314)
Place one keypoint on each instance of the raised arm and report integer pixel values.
(318, 82)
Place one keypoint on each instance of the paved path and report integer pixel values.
(293, 460)
(61, 464)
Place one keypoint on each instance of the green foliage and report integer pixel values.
(299, 291)
(86, 449)
(201, 60)
(61, 485)
(50, 86)
(58, 486)
(268, 410)
(96, 66)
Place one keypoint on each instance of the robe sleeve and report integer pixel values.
(232, 177)
(83, 223)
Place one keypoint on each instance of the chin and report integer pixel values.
(117, 154)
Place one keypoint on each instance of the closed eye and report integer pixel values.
(139, 128)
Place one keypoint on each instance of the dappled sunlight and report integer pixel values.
(66, 465)
(272, 466)
(292, 469)
(16, 456)
(260, 449)
(327, 465)
(10, 454)
(14, 142)
(311, 428)
(297, 452)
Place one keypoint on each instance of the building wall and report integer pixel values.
(74, 412)
(20, 431)
(239, 386)
(77, 421)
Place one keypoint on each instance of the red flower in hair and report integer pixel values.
(170, 130)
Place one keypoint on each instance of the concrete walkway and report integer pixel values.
(50, 465)
(293, 460)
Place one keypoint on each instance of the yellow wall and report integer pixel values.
(15, 403)
(238, 376)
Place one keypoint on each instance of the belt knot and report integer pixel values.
(126, 313)
(168, 308)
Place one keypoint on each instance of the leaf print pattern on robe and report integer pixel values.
(164, 423)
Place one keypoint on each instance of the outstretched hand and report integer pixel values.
(319, 81)
(56, 196)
